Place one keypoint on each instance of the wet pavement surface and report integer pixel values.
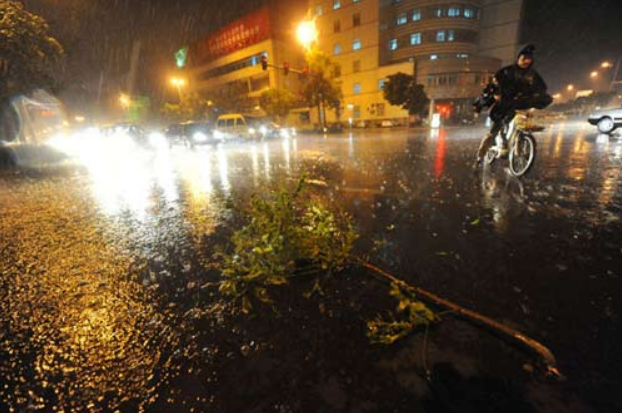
(101, 263)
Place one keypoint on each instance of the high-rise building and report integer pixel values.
(452, 47)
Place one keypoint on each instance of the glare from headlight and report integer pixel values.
(219, 135)
(263, 130)
(284, 133)
(199, 137)
(251, 131)
(157, 139)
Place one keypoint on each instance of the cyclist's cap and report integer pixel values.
(528, 51)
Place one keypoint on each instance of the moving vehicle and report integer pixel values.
(126, 130)
(190, 134)
(236, 126)
(606, 120)
(521, 144)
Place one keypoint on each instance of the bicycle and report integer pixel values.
(521, 144)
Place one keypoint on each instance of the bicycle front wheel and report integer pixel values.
(522, 154)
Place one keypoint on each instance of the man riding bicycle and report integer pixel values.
(514, 87)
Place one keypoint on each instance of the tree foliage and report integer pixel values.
(286, 236)
(192, 107)
(321, 87)
(277, 102)
(29, 56)
(402, 90)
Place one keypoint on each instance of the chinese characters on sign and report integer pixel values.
(242, 33)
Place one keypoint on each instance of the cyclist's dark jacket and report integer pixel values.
(518, 89)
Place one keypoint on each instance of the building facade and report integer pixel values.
(228, 63)
(452, 47)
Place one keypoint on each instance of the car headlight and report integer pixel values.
(252, 131)
(263, 130)
(199, 137)
(284, 133)
(219, 135)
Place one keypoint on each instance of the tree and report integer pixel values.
(277, 102)
(321, 87)
(191, 107)
(29, 56)
(402, 90)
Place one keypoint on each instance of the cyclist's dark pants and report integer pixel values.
(489, 139)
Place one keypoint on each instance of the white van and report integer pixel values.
(232, 126)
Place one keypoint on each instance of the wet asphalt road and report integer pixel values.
(98, 255)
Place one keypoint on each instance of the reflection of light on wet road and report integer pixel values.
(439, 160)
(223, 169)
(79, 333)
(286, 153)
(266, 160)
(255, 163)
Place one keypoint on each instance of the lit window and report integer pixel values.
(453, 12)
(356, 45)
(416, 15)
(393, 44)
(357, 88)
(434, 57)
(336, 4)
(318, 10)
(337, 49)
(440, 36)
(469, 13)
(450, 35)
(381, 83)
(415, 39)
(401, 19)
(355, 1)
(462, 56)
(438, 12)
(357, 111)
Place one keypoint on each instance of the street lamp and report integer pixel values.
(606, 65)
(594, 74)
(570, 88)
(124, 101)
(178, 83)
(307, 33)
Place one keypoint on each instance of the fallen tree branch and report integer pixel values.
(545, 356)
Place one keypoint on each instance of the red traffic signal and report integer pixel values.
(286, 68)
(264, 62)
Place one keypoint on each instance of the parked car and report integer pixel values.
(606, 120)
(191, 134)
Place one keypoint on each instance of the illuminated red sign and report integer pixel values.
(246, 31)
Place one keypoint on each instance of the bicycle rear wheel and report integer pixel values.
(522, 154)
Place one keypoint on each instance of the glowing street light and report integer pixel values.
(594, 74)
(124, 101)
(606, 65)
(307, 33)
(178, 83)
(570, 88)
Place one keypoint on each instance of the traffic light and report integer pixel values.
(286, 68)
(264, 62)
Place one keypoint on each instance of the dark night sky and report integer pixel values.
(572, 37)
